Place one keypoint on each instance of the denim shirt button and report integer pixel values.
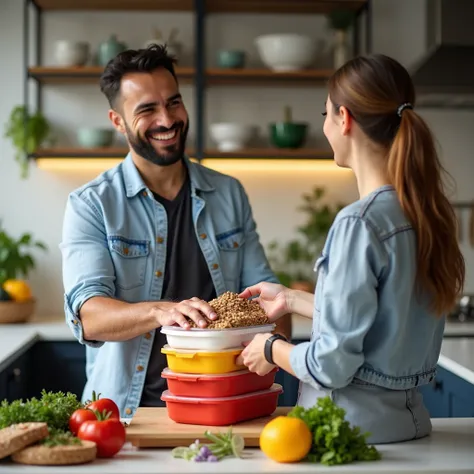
(148, 335)
(160, 240)
(144, 193)
(215, 266)
(158, 273)
(203, 236)
(128, 411)
(140, 368)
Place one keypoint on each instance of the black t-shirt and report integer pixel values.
(186, 275)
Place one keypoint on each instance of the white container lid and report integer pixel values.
(218, 333)
(168, 396)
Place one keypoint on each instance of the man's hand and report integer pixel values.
(172, 314)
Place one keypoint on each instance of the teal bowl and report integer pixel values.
(95, 137)
(288, 134)
(230, 59)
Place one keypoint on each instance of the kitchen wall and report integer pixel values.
(37, 204)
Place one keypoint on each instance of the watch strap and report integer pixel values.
(269, 346)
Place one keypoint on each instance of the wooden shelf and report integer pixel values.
(214, 76)
(86, 74)
(272, 153)
(130, 5)
(69, 152)
(118, 152)
(221, 76)
(282, 6)
(211, 6)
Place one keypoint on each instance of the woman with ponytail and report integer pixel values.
(390, 270)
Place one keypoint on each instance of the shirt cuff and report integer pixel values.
(74, 321)
(298, 362)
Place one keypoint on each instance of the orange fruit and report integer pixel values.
(18, 290)
(285, 439)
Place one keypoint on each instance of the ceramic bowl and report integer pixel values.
(71, 53)
(288, 134)
(230, 59)
(231, 136)
(286, 52)
(95, 137)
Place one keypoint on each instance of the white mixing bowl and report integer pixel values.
(286, 52)
(231, 136)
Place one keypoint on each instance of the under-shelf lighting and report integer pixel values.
(224, 165)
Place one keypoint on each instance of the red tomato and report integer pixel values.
(101, 404)
(108, 435)
(78, 417)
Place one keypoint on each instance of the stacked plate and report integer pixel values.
(205, 384)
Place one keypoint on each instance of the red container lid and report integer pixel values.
(167, 396)
(169, 374)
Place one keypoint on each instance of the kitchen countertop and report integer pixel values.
(448, 449)
(457, 353)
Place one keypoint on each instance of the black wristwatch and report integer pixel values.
(269, 345)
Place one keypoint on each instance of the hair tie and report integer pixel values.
(402, 107)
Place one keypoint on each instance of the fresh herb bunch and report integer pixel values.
(53, 408)
(223, 445)
(334, 440)
(61, 438)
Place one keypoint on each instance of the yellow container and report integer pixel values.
(187, 361)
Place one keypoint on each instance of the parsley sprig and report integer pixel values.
(334, 440)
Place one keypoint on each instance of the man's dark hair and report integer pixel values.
(141, 60)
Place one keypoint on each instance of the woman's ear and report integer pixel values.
(346, 120)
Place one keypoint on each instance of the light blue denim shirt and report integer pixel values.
(369, 323)
(113, 245)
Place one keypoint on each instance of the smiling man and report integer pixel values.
(148, 242)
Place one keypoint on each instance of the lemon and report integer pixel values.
(18, 290)
(285, 439)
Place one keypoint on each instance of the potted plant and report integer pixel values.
(293, 262)
(17, 303)
(27, 133)
(340, 21)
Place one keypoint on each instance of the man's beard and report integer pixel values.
(144, 148)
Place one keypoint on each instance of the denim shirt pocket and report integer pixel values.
(130, 260)
(230, 245)
(319, 269)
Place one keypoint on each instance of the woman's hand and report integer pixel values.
(271, 297)
(253, 356)
(172, 314)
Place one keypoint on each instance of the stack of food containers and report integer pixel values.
(206, 386)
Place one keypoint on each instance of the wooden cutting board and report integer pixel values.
(151, 428)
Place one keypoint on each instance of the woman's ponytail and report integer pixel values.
(416, 173)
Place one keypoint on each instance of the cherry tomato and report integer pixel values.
(108, 435)
(78, 417)
(101, 404)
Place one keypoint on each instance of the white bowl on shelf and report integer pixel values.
(231, 137)
(212, 339)
(71, 53)
(286, 52)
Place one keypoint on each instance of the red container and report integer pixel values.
(217, 386)
(222, 411)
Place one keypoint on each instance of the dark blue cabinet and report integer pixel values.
(59, 366)
(289, 383)
(15, 379)
(449, 396)
(53, 366)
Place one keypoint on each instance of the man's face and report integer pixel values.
(153, 116)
